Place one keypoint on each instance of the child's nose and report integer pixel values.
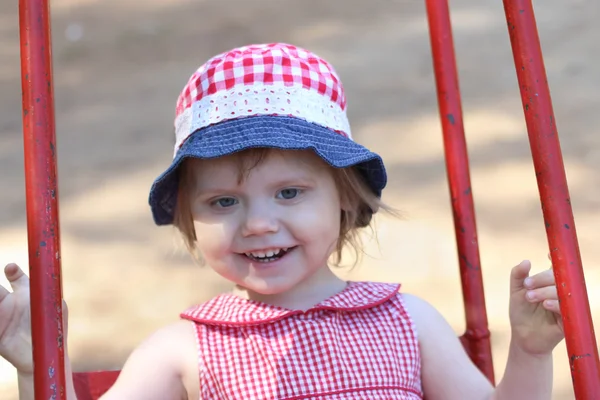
(259, 221)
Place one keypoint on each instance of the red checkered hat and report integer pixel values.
(270, 79)
(271, 95)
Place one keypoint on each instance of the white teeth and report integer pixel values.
(266, 254)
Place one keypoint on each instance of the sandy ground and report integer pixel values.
(119, 65)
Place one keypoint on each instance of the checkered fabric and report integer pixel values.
(358, 344)
(267, 79)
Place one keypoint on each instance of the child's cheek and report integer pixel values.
(315, 224)
(213, 239)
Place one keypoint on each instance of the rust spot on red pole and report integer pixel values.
(42, 200)
(477, 336)
(554, 197)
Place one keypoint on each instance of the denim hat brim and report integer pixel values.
(278, 132)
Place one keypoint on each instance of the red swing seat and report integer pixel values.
(92, 385)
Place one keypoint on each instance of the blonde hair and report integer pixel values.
(359, 203)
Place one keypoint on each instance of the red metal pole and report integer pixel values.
(477, 336)
(42, 200)
(554, 197)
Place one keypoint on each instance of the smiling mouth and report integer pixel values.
(268, 256)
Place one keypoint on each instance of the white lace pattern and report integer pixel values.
(244, 101)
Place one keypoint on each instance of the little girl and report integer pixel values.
(267, 187)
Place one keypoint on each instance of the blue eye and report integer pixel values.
(225, 202)
(289, 193)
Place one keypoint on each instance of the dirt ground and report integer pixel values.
(119, 65)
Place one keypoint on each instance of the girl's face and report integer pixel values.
(273, 230)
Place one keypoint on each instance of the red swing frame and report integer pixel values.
(44, 233)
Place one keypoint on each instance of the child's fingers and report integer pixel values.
(552, 305)
(16, 277)
(518, 275)
(12, 272)
(544, 278)
(542, 294)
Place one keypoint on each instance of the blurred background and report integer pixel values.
(120, 64)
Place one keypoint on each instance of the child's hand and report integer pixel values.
(15, 320)
(536, 323)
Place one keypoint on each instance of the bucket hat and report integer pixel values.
(267, 95)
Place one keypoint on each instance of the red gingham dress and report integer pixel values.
(358, 344)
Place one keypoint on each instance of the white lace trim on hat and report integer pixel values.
(244, 101)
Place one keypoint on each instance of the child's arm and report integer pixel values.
(25, 386)
(154, 370)
(26, 380)
(448, 373)
(446, 370)
(525, 374)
